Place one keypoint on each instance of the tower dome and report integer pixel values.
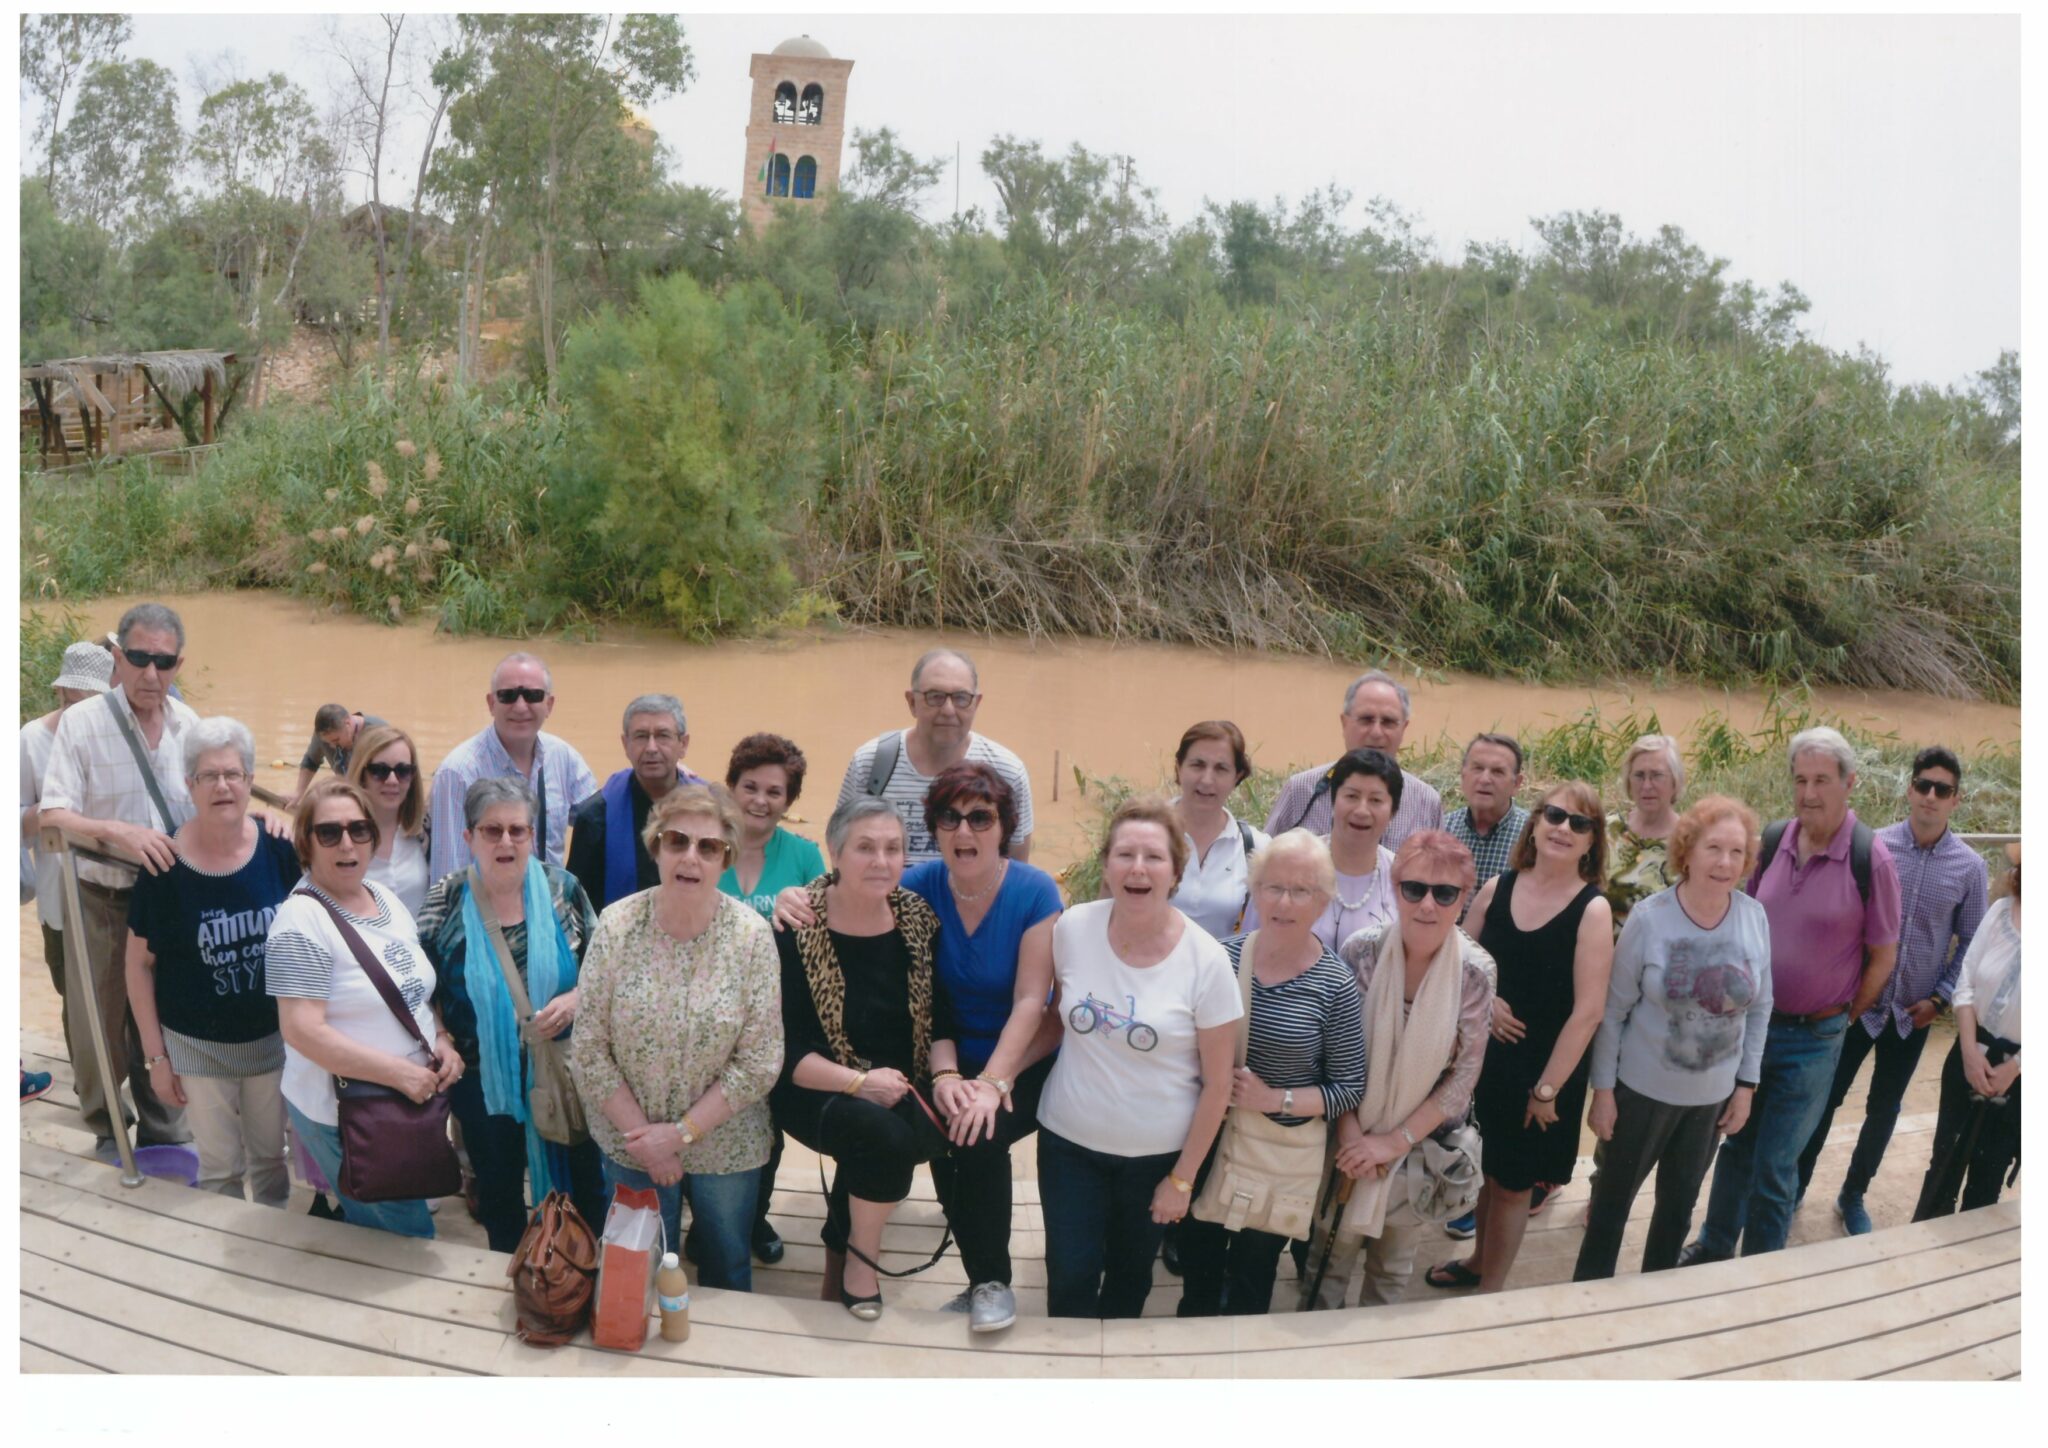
(802, 45)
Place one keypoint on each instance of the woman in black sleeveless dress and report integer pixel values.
(1549, 997)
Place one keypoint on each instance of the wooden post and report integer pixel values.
(59, 842)
(206, 407)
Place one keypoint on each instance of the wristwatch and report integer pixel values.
(689, 1130)
(1287, 1102)
(1543, 1091)
(149, 1062)
(1002, 1086)
(1406, 1135)
(1178, 1184)
(1746, 1085)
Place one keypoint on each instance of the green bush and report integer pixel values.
(44, 637)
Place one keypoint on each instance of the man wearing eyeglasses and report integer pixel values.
(1942, 899)
(335, 729)
(899, 766)
(521, 697)
(606, 853)
(1376, 716)
(117, 773)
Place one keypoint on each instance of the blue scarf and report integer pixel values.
(550, 970)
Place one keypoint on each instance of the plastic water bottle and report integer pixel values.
(672, 1287)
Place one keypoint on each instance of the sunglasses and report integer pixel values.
(708, 847)
(981, 821)
(382, 772)
(329, 833)
(1935, 787)
(143, 658)
(1557, 814)
(1413, 890)
(517, 834)
(513, 696)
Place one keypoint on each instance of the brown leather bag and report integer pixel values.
(554, 1273)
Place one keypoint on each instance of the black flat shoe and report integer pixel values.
(867, 1309)
(767, 1245)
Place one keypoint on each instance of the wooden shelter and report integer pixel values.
(82, 408)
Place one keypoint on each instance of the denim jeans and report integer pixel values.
(1756, 1178)
(404, 1219)
(722, 1216)
(1100, 1238)
(1890, 1075)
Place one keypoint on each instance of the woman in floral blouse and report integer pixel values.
(679, 1034)
(1638, 838)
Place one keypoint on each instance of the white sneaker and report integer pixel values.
(994, 1307)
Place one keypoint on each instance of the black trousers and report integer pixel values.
(497, 1153)
(1679, 1142)
(873, 1149)
(974, 1184)
(1997, 1148)
(1897, 1058)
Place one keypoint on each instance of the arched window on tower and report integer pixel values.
(785, 102)
(806, 178)
(810, 111)
(778, 175)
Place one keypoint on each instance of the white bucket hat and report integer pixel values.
(86, 666)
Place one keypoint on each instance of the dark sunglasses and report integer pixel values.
(708, 847)
(382, 772)
(1935, 787)
(981, 821)
(1413, 890)
(1557, 814)
(513, 696)
(329, 833)
(143, 658)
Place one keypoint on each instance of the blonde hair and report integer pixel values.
(1654, 744)
(1302, 845)
(694, 799)
(412, 810)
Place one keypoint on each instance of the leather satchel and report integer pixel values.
(551, 1098)
(1265, 1177)
(554, 1273)
(393, 1149)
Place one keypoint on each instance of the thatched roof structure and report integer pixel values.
(176, 374)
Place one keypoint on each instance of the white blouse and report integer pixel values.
(1990, 977)
(403, 872)
(1214, 890)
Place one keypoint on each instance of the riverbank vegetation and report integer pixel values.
(1290, 426)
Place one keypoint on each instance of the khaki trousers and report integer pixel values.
(106, 948)
(238, 1127)
(1389, 1257)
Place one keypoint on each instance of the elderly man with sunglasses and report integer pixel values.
(900, 765)
(117, 773)
(521, 697)
(1942, 899)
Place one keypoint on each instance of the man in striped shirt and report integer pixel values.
(1376, 716)
(1941, 900)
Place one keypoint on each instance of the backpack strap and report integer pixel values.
(888, 749)
(1860, 840)
(1774, 835)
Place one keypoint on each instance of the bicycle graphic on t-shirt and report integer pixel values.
(1091, 1013)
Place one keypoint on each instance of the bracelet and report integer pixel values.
(1406, 1135)
(149, 1063)
(998, 1082)
(689, 1130)
(938, 1076)
(852, 1088)
(1178, 1184)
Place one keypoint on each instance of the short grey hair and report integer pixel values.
(852, 812)
(151, 616)
(1653, 744)
(1378, 676)
(932, 655)
(667, 704)
(1822, 740)
(547, 676)
(219, 732)
(487, 794)
(1302, 845)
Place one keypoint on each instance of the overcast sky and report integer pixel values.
(1873, 161)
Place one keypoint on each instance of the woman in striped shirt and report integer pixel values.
(1305, 1058)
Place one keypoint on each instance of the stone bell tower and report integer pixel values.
(796, 127)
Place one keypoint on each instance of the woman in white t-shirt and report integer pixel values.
(1215, 883)
(335, 1022)
(385, 766)
(1149, 1004)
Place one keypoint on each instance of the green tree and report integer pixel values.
(55, 51)
(1080, 217)
(885, 173)
(118, 155)
(69, 281)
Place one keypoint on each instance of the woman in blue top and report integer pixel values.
(995, 958)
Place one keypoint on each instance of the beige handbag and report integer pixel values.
(1265, 1176)
(551, 1098)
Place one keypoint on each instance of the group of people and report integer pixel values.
(1430, 1003)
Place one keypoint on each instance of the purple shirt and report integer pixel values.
(1820, 925)
(1941, 895)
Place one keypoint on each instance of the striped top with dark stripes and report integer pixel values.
(1308, 1032)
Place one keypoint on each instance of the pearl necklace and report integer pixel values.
(960, 894)
(1348, 907)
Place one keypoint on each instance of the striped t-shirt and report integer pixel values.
(1308, 1032)
(906, 788)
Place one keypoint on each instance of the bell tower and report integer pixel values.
(796, 127)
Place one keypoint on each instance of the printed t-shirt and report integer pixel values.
(980, 970)
(209, 934)
(787, 859)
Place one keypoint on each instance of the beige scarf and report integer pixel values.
(1404, 1059)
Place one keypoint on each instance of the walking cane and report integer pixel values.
(1336, 1195)
(1942, 1185)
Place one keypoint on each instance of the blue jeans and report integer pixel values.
(1756, 1178)
(722, 1215)
(405, 1219)
(1100, 1238)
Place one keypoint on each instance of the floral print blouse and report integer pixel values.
(669, 1019)
(1637, 867)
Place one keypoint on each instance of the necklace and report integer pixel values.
(1349, 906)
(996, 884)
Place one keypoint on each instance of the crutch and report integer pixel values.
(1944, 1182)
(1335, 1194)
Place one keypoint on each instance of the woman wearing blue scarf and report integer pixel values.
(547, 921)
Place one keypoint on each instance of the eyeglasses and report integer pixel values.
(937, 698)
(496, 833)
(382, 772)
(1924, 785)
(329, 832)
(143, 658)
(1293, 894)
(641, 738)
(216, 777)
(708, 847)
(1413, 890)
(1557, 814)
(513, 696)
(981, 821)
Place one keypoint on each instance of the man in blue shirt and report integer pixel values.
(521, 697)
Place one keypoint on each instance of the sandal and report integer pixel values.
(1449, 1275)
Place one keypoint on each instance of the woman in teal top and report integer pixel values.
(765, 775)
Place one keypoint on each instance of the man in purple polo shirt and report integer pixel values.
(1942, 900)
(1833, 943)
